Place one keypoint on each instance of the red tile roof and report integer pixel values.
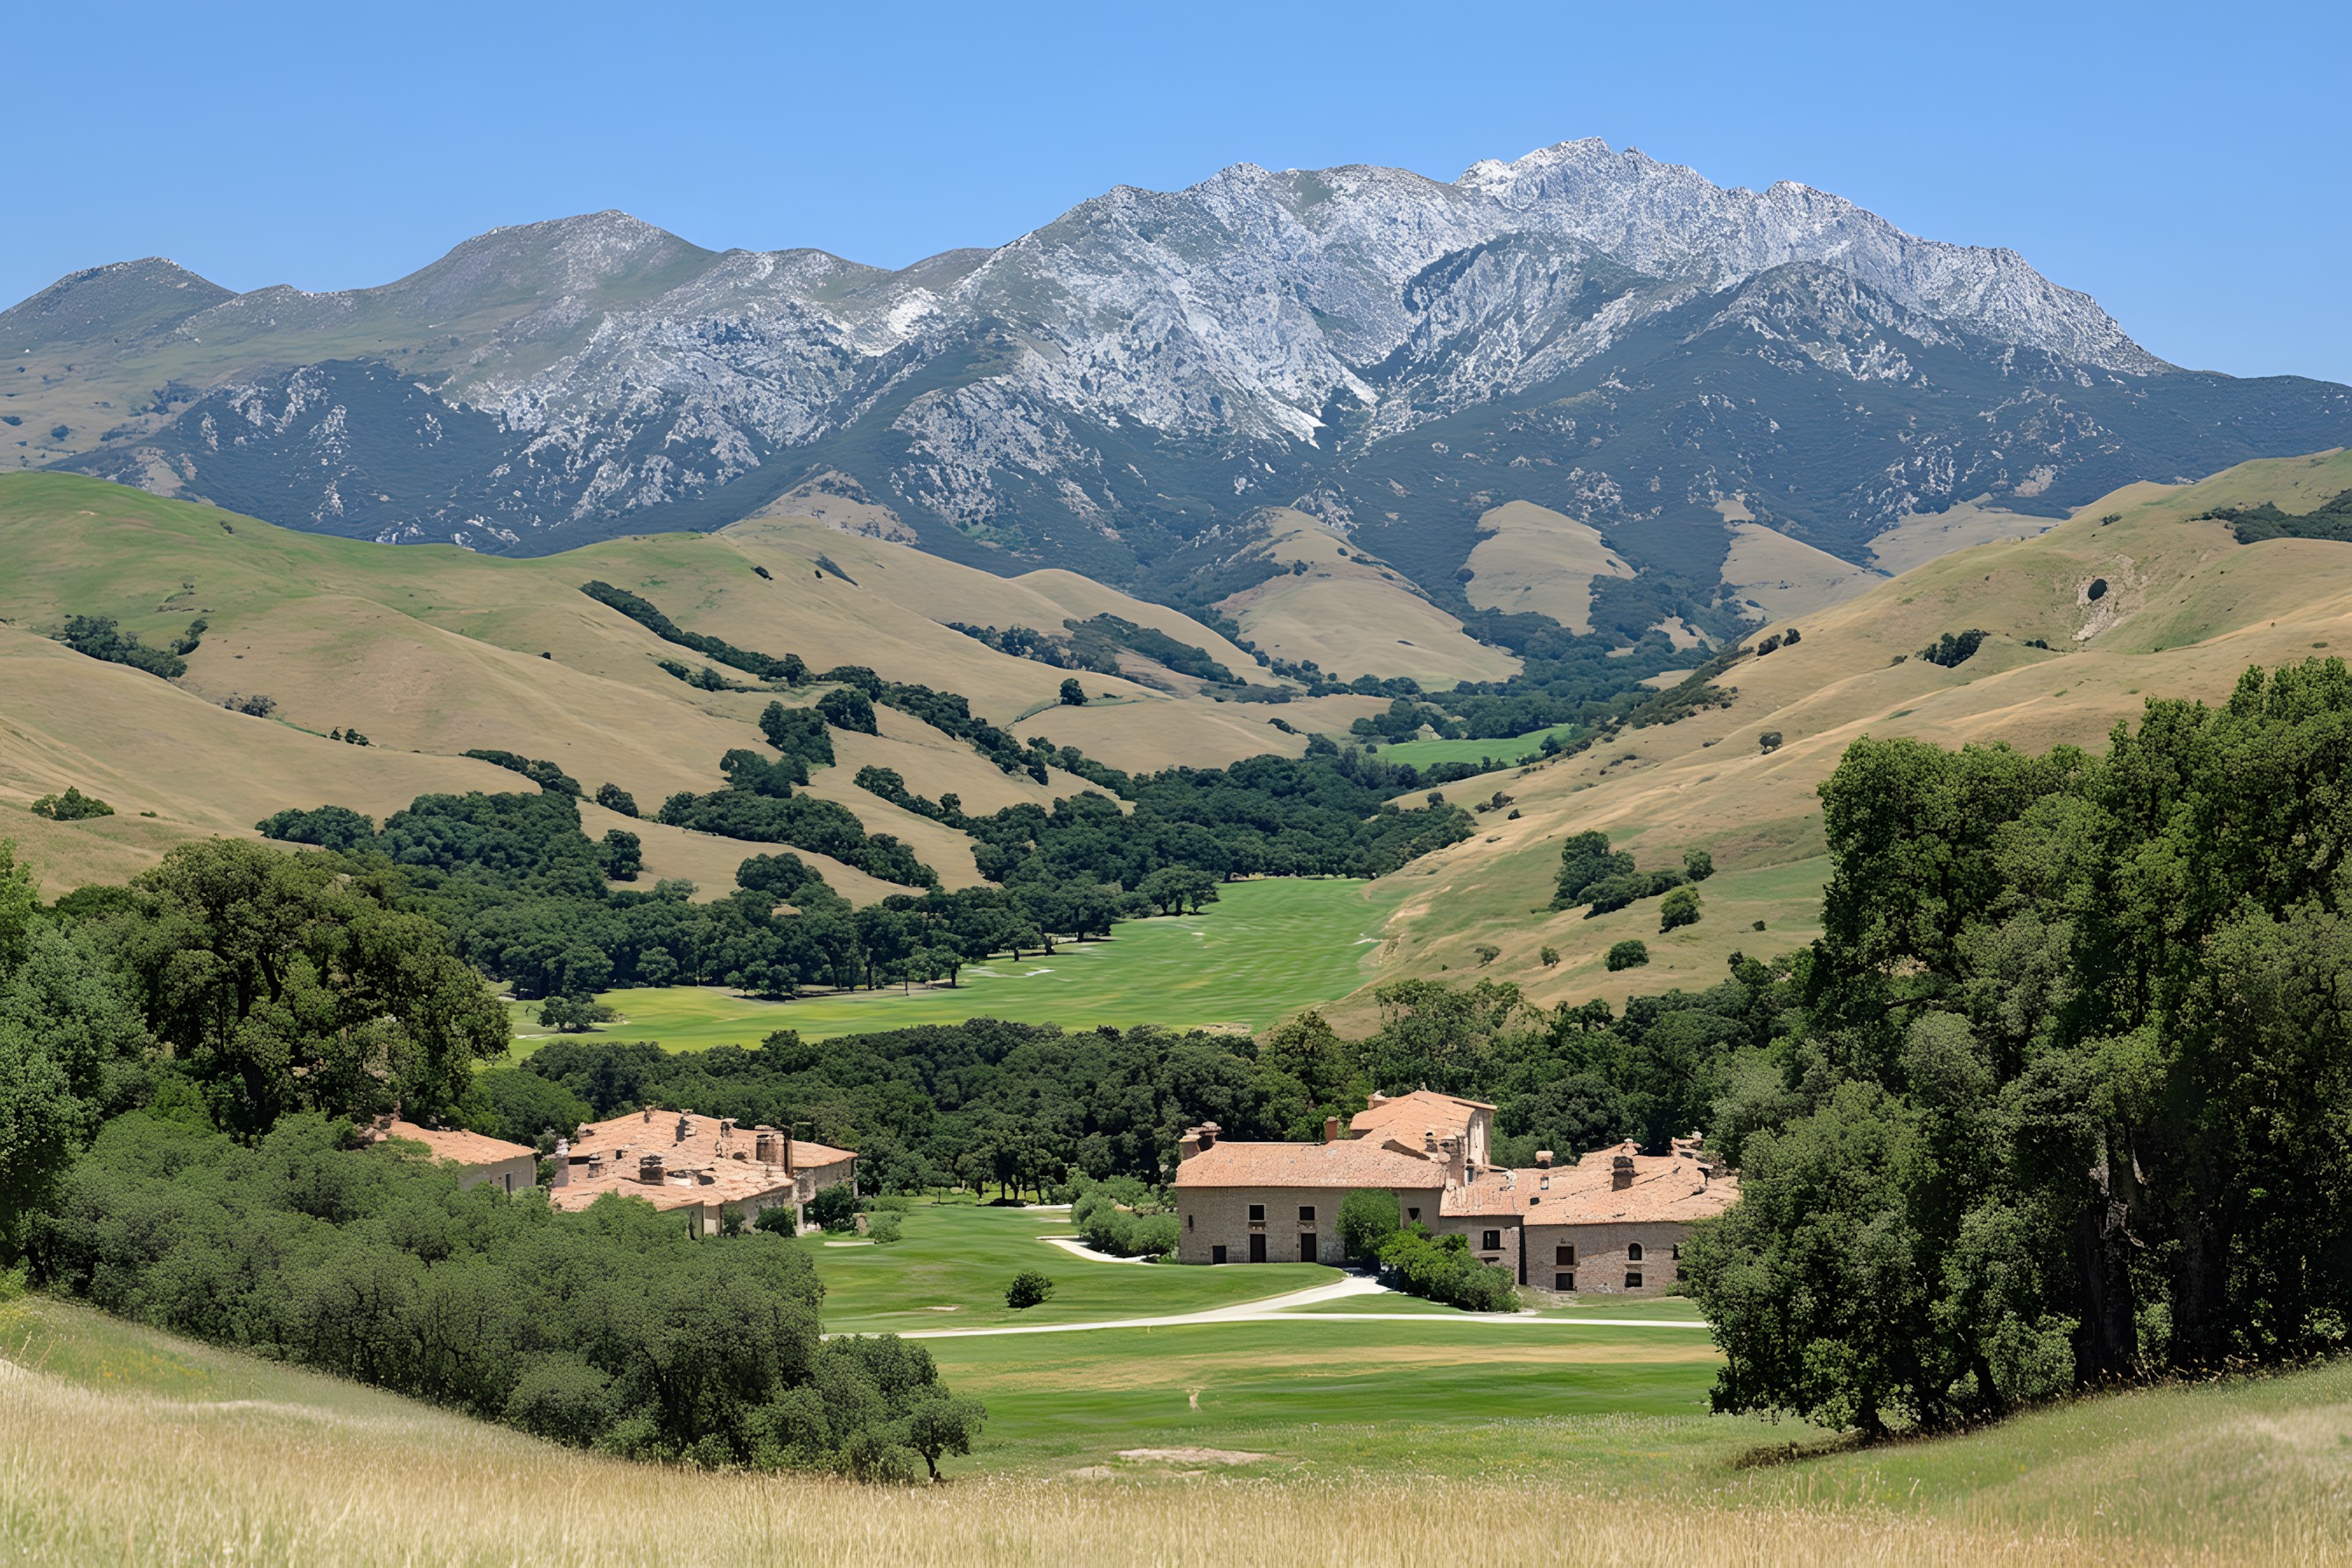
(1665, 1188)
(468, 1149)
(1349, 1163)
(1423, 1109)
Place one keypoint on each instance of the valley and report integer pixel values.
(1562, 865)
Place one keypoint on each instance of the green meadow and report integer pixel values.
(1265, 949)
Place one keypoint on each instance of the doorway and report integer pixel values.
(1257, 1247)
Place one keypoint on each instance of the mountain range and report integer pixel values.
(1128, 390)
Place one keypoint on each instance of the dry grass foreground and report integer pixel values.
(146, 1450)
(90, 1475)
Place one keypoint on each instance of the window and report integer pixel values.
(1216, 1254)
(1544, 1182)
(1306, 1214)
(1188, 1222)
(1563, 1281)
(1633, 1252)
(1632, 1279)
(1257, 1214)
(1677, 1251)
(1493, 1242)
(1412, 1214)
(1565, 1256)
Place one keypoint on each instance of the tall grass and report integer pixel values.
(95, 1475)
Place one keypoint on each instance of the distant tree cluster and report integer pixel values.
(1955, 648)
(2332, 519)
(97, 636)
(546, 776)
(71, 806)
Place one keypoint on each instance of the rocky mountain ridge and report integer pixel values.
(1122, 389)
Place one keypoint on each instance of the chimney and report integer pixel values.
(685, 1126)
(649, 1114)
(764, 1146)
(1196, 1140)
(562, 1162)
(1429, 1139)
(649, 1170)
(1543, 1159)
(1453, 1150)
(1620, 1172)
(1330, 1130)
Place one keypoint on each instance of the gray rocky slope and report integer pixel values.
(1125, 386)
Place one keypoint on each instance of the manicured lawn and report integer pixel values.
(1506, 750)
(963, 1257)
(1263, 950)
(1441, 1396)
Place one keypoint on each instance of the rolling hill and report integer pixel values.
(2134, 598)
(432, 652)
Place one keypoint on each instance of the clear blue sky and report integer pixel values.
(2185, 164)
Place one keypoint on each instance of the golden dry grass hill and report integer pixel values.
(1353, 613)
(2149, 604)
(1531, 558)
(432, 651)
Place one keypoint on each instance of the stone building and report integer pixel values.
(512, 1167)
(699, 1165)
(1612, 1223)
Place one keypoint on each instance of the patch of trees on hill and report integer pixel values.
(97, 636)
(2253, 524)
(791, 668)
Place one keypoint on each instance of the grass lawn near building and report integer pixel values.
(1263, 950)
(962, 1256)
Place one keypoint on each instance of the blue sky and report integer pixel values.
(2186, 165)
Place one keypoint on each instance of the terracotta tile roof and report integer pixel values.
(1413, 1113)
(1349, 1163)
(724, 1186)
(468, 1149)
(1664, 1187)
(808, 1156)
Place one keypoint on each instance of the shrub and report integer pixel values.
(731, 1219)
(1487, 952)
(1680, 909)
(1768, 742)
(71, 807)
(1097, 1214)
(1551, 956)
(613, 797)
(1073, 694)
(1631, 953)
(777, 1221)
(1029, 1289)
(1368, 1218)
(1441, 1269)
(884, 1229)
(1697, 864)
(835, 1208)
